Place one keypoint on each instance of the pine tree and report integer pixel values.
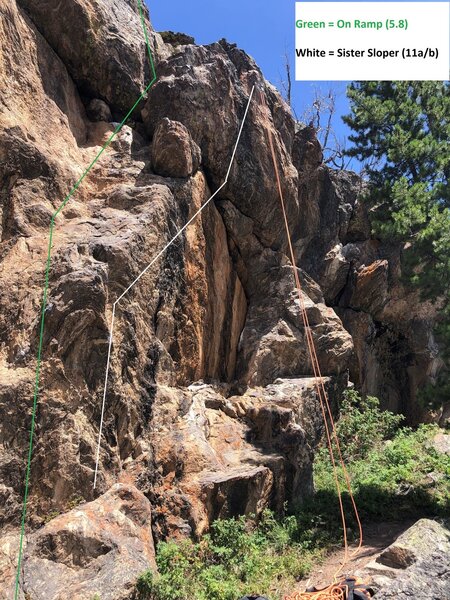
(402, 134)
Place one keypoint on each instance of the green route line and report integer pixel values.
(46, 285)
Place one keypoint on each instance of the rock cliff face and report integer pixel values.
(211, 409)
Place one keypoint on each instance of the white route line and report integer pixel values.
(160, 253)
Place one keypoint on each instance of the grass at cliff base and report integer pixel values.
(397, 474)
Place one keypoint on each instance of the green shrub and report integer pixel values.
(395, 471)
(363, 426)
(238, 556)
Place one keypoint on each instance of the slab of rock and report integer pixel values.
(98, 110)
(211, 103)
(101, 547)
(33, 169)
(239, 491)
(273, 342)
(101, 43)
(221, 455)
(441, 443)
(175, 38)
(371, 287)
(174, 152)
(416, 565)
(420, 540)
(9, 552)
(336, 270)
(307, 152)
(429, 579)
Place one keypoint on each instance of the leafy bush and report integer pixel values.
(363, 426)
(395, 471)
(237, 557)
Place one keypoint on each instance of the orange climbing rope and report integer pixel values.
(344, 590)
(337, 589)
(333, 592)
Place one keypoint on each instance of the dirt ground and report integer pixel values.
(377, 536)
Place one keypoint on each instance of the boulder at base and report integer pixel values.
(99, 548)
(416, 565)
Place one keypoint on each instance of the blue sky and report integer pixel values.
(263, 28)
